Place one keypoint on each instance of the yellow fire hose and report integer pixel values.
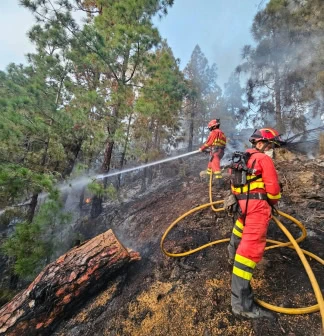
(293, 244)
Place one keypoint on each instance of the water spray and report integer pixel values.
(82, 181)
(99, 177)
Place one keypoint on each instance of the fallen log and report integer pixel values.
(63, 284)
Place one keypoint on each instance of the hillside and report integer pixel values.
(191, 296)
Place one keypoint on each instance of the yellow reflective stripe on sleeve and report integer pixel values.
(239, 224)
(245, 261)
(274, 196)
(242, 274)
(237, 233)
(253, 185)
(219, 142)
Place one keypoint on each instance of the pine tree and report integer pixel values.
(158, 106)
(203, 91)
(284, 64)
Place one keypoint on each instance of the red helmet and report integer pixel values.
(266, 134)
(213, 123)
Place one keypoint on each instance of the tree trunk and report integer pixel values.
(279, 122)
(145, 170)
(96, 206)
(63, 285)
(150, 175)
(72, 151)
(123, 155)
(191, 128)
(32, 207)
(144, 177)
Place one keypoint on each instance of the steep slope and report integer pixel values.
(191, 296)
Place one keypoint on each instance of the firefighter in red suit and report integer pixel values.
(248, 239)
(216, 142)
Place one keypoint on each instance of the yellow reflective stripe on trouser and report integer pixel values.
(245, 261)
(237, 233)
(243, 267)
(239, 224)
(209, 171)
(242, 274)
(238, 229)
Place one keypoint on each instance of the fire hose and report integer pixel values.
(292, 243)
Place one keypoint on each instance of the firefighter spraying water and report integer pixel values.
(216, 143)
(255, 191)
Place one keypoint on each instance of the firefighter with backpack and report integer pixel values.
(216, 142)
(256, 188)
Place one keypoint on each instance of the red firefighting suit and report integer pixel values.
(217, 142)
(248, 238)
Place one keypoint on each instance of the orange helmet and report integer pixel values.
(213, 123)
(267, 135)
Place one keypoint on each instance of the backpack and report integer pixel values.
(239, 169)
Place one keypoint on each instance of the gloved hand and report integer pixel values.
(230, 204)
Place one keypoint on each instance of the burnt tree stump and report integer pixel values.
(64, 284)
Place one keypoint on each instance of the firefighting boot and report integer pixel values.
(255, 313)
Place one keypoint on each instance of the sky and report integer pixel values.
(220, 27)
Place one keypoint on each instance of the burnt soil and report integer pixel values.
(159, 295)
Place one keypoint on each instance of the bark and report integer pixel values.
(32, 207)
(279, 123)
(122, 159)
(63, 285)
(72, 151)
(145, 170)
(144, 177)
(191, 128)
(96, 206)
(107, 156)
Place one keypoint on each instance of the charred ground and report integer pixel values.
(191, 296)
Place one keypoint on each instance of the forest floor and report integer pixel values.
(159, 295)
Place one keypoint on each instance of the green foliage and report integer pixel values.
(203, 99)
(99, 190)
(84, 93)
(17, 181)
(7, 216)
(31, 245)
(285, 66)
(27, 248)
(158, 105)
(275, 6)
